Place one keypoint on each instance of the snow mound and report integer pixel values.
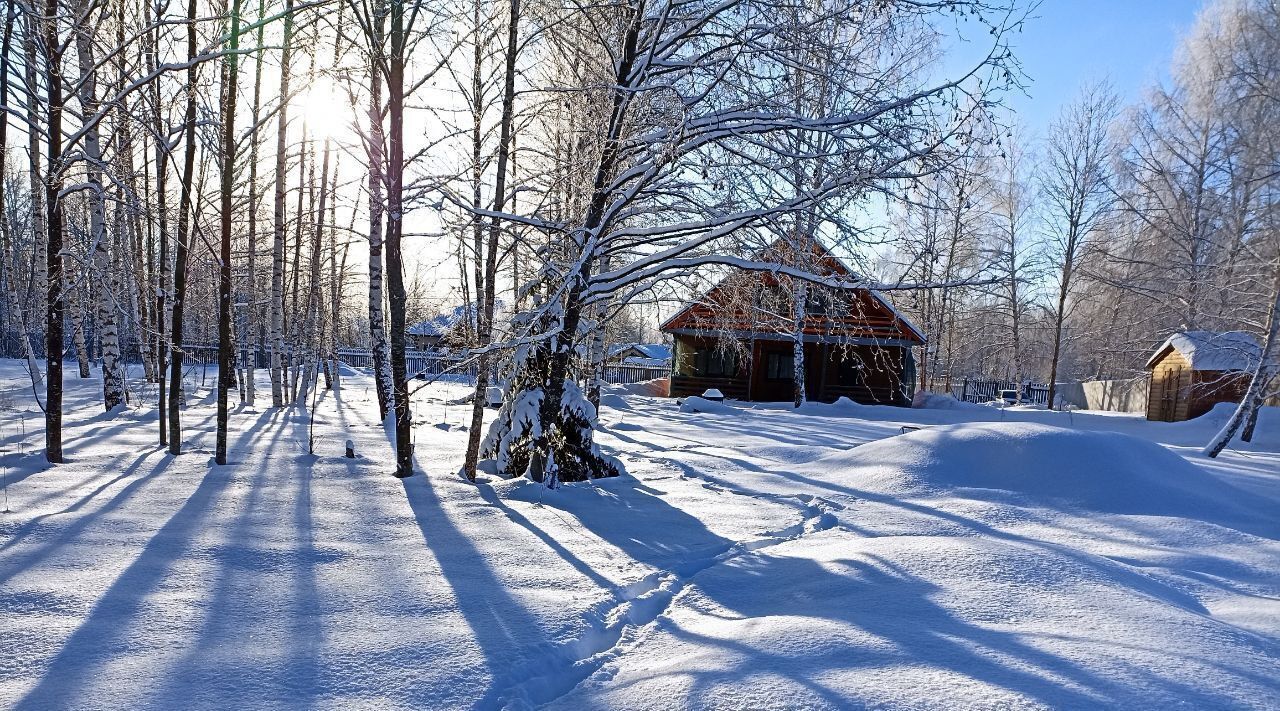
(848, 406)
(614, 402)
(1217, 416)
(710, 407)
(934, 401)
(1100, 471)
(347, 371)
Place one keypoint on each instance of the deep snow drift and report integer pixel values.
(752, 557)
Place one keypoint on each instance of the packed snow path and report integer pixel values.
(753, 558)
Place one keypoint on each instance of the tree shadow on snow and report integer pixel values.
(262, 634)
(87, 654)
(12, 566)
(507, 634)
(890, 621)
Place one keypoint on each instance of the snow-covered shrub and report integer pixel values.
(550, 444)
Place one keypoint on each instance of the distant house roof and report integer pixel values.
(443, 324)
(648, 351)
(1213, 350)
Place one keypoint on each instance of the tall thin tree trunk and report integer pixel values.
(799, 296)
(335, 290)
(485, 309)
(161, 195)
(253, 318)
(1059, 317)
(278, 225)
(182, 243)
(306, 185)
(55, 310)
(226, 352)
(377, 329)
(72, 286)
(107, 329)
(395, 228)
(312, 339)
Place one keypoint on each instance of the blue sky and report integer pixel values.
(1070, 42)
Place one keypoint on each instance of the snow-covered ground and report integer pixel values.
(753, 557)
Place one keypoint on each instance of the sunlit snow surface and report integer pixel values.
(753, 558)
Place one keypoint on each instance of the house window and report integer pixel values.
(779, 366)
(715, 363)
(817, 304)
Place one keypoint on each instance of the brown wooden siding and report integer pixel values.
(878, 381)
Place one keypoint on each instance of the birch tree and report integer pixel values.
(675, 102)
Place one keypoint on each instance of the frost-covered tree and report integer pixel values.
(1077, 186)
(685, 91)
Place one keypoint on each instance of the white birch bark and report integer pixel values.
(101, 267)
(1263, 373)
(379, 346)
(312, 340)
(798, 297)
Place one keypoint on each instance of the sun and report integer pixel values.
(326, 109)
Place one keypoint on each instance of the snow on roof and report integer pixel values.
(1213, 350)
(443, 324)
(651, 351)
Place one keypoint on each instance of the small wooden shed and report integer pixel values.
(1194, 370)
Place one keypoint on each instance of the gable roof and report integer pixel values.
(1213, 350)
(698, 310)
(652, 351)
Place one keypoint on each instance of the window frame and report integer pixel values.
(773, 361)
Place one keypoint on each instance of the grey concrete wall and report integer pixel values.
(1116, 395)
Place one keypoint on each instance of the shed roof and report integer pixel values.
(1213, 350)
(651, 351)
(443, 324)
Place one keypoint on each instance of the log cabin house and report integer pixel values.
(1194, 370)
(739, 338)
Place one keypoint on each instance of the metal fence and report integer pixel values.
(973, 390)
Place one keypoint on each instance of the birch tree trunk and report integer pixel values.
(107, 328)
(311, 339)
(75, 307)
(335, 292)
(798, 296)
(278, 226)
(253, 316)
(293, 327)
(1263, 373)
(161, 315)
(377, 329)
